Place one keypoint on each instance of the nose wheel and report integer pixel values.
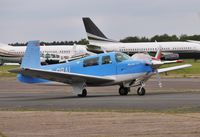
(141, 91)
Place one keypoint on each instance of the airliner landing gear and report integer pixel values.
(124, 90)
(83, 94)
(141, 91)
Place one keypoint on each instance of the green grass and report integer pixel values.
(2, 135)
(193, 71)
(4, 71)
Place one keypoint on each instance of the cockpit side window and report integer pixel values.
(121, 57)
(91, 62)
(106, 60)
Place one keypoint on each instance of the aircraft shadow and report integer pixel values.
(72, 97)
(34, 98)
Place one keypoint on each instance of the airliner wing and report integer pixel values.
(174, 68)
(64, 77)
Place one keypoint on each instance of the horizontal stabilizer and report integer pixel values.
(15, 70)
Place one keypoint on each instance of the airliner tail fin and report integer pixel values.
(94, 34)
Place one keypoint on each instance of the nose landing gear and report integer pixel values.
(141, 91)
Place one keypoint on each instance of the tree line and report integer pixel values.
(161, 38)
(158, 38)
(80, 42)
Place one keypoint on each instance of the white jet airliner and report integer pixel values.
(49, 54)
(171, 50)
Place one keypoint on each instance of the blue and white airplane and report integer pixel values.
(104, 69)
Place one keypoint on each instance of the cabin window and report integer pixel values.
(106, 60)
(91, 62)
(121, 57)
(53, 55)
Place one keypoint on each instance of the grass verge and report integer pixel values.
(2, 135)
(183, 109)
(4, 71)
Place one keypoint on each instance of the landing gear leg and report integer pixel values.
(124, 90)
(83, 94)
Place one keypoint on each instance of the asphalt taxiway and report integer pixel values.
(176, 93)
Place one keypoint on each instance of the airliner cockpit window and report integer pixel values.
(121, 57)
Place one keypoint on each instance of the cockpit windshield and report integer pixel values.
(121, 57)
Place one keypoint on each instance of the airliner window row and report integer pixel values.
(154, 49)
(62, 51)
(182, 48)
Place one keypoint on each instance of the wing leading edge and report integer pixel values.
(174, 68)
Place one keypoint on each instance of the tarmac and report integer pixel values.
(180, 93)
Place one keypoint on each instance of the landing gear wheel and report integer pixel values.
(84, 93)
(123, 91)
(141, 91)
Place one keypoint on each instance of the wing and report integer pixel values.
(158, 63)
(63, 77)
(174, 68)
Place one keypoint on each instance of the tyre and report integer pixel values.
(141, 91)
(123, 91)
(84, 93)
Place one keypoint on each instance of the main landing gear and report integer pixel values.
(83, 94)
(124, 90)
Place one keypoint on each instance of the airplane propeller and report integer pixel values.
(158, 78)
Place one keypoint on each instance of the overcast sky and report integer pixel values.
(60, 20)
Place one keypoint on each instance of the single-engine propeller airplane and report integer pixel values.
(104, 69)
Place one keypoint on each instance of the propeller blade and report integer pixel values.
(159, 79)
